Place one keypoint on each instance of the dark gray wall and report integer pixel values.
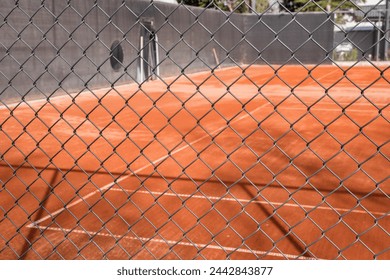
(364, 41)
(289, 38)
(56, 48)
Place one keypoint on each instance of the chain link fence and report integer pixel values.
(232, 130)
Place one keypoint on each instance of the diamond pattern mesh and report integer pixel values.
(150, 130)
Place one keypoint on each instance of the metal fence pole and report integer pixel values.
(386, 30)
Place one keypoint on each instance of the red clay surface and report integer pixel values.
(261, 165)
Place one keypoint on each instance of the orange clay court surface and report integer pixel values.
(202, 166)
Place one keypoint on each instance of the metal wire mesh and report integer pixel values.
(235, 130)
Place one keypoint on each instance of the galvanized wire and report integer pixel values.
(95, 49)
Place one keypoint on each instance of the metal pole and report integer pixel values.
(386, 30)
(157, 57)
(142, 74)
(378, 38)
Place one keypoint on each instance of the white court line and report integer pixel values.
(120, 179)
(98, 91)
(215, 198)
(51, 215)
(67, 97)
(316, 80)
(181, 243)
(366, 111)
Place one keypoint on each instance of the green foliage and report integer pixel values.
(242, 6)
(317, 5)
(199, 3)
(238, 6)
(261, 5)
